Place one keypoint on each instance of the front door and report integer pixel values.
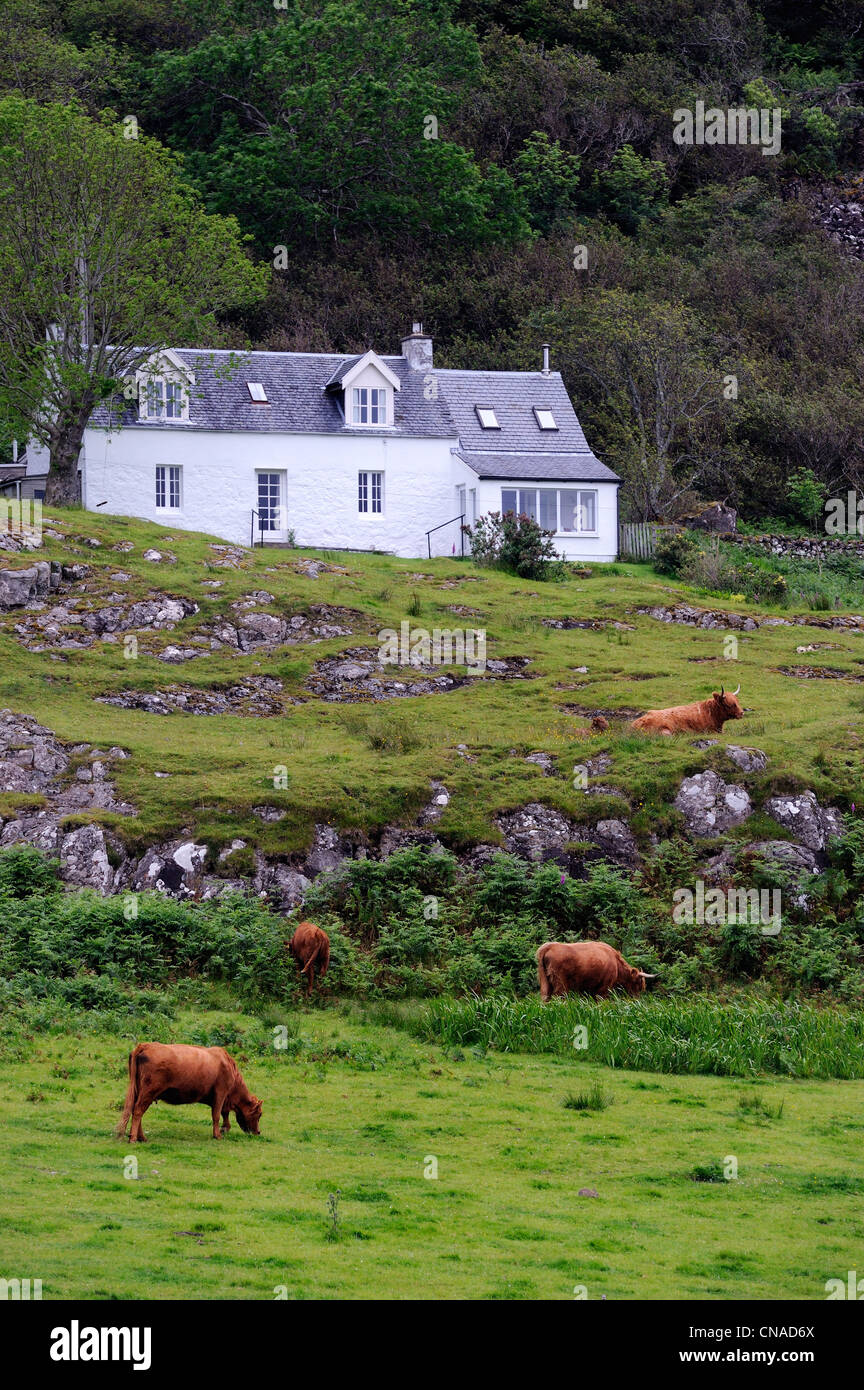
(270, 521)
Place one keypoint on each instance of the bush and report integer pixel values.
(674, 550)
(517, 544)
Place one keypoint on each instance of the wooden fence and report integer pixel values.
(637, 539)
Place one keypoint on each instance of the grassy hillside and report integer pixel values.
(369, 765)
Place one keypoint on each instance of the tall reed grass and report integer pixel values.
(663, 1035)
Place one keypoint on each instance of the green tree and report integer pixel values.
(548, 178)
(632, 189)
(661, 395)
(332, 125)
(105, 256)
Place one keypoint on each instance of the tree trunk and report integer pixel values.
(62, 487)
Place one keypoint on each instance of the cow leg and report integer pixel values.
(311, 982)
(226, 1117)
(142, 1105)
(216, 1111)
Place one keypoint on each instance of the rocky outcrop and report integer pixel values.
(747, 622)
(711, 806)
(746, 759)
(358, 674)
(810, 824)
(78, 622)
(254, 698)
(537, 832)
(21, 586)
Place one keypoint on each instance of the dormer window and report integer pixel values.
(165, 400)
(487, 417)
(368, 405)
(545, 419)
(257, 392)
(163, 386)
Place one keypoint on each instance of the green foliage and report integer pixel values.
(631, 190)
(548, 179)
(516, 544)
(806, 495)
(694, 1035)
(674, 550)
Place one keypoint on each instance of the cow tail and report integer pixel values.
(131, 1095)
(543, 978)
(312, 959)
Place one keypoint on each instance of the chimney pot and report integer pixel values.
(545, 359)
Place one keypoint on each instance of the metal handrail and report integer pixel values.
(433, 529)
(252, 530)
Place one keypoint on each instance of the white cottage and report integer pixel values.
(363, 452)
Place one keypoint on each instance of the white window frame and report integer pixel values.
(276, 518)
(169, 483)
(370, 405)
(542, 414)
(162, 398)
(579, 530)
(487, 417)
(257, 392)
(370, 492)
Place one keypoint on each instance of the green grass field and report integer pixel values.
(248, 1218)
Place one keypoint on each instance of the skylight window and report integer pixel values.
(545, 419)
(486, 416)
(257, 392)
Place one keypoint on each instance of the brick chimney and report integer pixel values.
(417, 349)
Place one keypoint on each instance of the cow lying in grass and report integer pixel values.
(310, 947)
(703, 717)
(585, 967)
(182, 1075)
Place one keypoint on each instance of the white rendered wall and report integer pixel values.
(219, 488)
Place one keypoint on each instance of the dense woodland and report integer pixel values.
(444, 159)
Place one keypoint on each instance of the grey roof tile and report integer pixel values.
(560, 467)
(299, 403)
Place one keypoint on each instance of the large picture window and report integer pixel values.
(563, 510)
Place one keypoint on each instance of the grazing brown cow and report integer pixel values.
(182, 1075)
(703, 717)
(310, 947)
(585, 967)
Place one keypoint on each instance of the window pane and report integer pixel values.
(549, 509)
(508, 500)
(569, 510)
(363, 492)
(588, 511)
(528, 503)
(269, 508)
(174, 487)
(361, 405)
(377, 479)
(160, 487)
(155, 399)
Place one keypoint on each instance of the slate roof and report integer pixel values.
(579, 468)
(299, 402)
